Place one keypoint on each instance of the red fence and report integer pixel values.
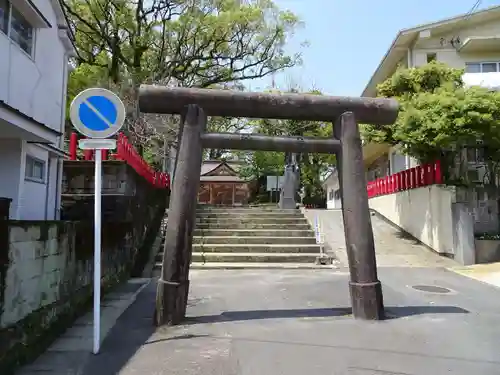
(423, 175)
(126, 152)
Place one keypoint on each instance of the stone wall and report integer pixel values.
(46, 279)
(46, 268)
(122, 190)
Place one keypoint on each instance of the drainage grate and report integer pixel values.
(431, 289)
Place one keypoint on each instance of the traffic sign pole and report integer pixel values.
(97, 114)
(97, 250)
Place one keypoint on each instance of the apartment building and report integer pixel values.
(470, 42)
(35, 47)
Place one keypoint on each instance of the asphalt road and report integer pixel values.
(250, 322)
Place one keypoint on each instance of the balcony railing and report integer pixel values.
(422, 175)
(127, 153)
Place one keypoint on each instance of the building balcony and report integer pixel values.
(489, 81)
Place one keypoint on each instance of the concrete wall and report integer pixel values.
(46, 267)
(487, 251)
(124, 191)
(425, 213)
(46, 274)
(437, 216)
(46, 279)
(48, 261)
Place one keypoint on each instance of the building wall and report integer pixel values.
(223, 193)
(30, 200)
(447, 54)
(38, 192)
(333, 198)
(379, 168)
(10, 172)
(34, 84)
(397, 161)
(332, 188)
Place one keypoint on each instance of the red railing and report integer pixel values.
(423, 175)
(127, 153)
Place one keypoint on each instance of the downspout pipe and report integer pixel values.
(59, 165)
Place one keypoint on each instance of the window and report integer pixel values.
(17, 28)
(35, 169)
(482, 67)
(330, 195)
(21, 32)
(431, 57)
(475, 155)
(4, 16)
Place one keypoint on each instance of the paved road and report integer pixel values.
(393, 248)
(297, 321)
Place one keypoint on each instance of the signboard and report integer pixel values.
(97, 114)
(274, 183)
(97, 144)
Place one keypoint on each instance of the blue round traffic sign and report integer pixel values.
(97, 113)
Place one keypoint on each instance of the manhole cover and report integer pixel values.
(431, 289)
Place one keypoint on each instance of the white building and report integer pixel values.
(34, 47)
(332, 189)
(469, 41)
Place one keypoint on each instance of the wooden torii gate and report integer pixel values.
(194, 105)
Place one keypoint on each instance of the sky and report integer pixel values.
(348, 39)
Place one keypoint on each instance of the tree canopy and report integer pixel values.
(438, 114)
(204, 43)
(312, 166)
(194, 42)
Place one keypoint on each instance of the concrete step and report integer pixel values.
(266, 266)
(251, 240)
(252, 225)
(247, 209)
(255, 232)
(272, 250)
(254, 266)
(257, 214)
(255, 257)
(256, 220)
(257, 248)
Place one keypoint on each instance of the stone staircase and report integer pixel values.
(254, 237)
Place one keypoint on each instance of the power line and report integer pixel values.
(455, 39)
(474, 8)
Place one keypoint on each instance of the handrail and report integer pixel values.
(126, 152)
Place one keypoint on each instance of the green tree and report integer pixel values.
(206, 43)
(263, 163)
(438, 115)
(195, 42)
(312, 166)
